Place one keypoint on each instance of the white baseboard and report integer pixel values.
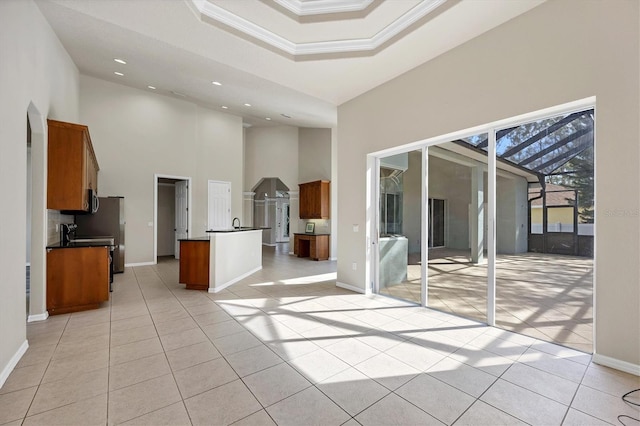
(233, 281)
(39, 317)
(350, 287)
(333, 258)
(130, 265)
(625, 366)
(13, 362)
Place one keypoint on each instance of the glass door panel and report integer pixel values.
(399, 226)
(544, 229)
(456, 258)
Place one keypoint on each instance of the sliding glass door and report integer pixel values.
(399, 226)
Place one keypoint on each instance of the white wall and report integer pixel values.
(556, 53)
(138, 133)
(271, 152)
(511, 215)
(36, 73)
(314, 154)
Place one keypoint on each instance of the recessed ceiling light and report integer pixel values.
(285, 115)
(120, 61)
(118, 73)
(247, 104)
(224, 107)
(216, 83)
(267, 118)
(151, 87)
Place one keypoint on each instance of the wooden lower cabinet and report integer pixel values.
(194, 264)
(77, 279)
(313, 246)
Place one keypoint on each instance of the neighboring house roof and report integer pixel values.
(557, 196)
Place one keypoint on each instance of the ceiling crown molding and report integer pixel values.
(321, 7)
(253, 30)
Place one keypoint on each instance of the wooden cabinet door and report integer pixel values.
(66, 176)
(314, 200)
(306, 203)
(77, 279)
(72, 167)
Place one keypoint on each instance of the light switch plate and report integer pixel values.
(356, 227)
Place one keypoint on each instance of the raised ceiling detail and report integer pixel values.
(321, 7)
(323, 43)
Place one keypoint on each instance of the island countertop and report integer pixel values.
(240, 229)
(211, 233)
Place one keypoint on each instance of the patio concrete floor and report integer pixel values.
(549, 297)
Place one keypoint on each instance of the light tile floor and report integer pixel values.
(286, 346)
(548, 297)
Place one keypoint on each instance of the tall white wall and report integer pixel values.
(36, 74)
(314, 154)
(558, 52)
(271, 152)
(137, 134)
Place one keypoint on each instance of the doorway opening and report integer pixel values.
(29, 215)
(36, 215)
(271, 211)
(172, 215)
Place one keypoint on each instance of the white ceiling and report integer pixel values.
(266, 53)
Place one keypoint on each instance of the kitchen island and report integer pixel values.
(220, 259)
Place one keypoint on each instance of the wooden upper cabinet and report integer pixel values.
(314, 200)
(72, 167)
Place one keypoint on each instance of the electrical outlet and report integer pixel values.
(57, 227)
(354, 266)
(355, 227)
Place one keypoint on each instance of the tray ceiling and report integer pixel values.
(334, 33)
(331, 50)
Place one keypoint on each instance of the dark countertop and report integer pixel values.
(202, 239)
(241, 229)
(311, 234)
(59, 245)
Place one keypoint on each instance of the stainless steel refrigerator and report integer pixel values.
(107, 221)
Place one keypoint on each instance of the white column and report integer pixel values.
(477, 214)
(491, 270)
(247, 208)
(295, 224)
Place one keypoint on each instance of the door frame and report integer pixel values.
(156, 179)
(373, 185)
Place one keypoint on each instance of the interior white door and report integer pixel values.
(182, 216)
(282, 220)
(219, 216)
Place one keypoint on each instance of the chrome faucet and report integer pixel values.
(233, 223)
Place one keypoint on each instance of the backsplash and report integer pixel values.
(323, 226)
(54, 217)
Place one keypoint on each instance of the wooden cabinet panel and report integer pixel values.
(194, 264)
(313, 246)
(72, 167)
(77, 279)
(314, 200)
